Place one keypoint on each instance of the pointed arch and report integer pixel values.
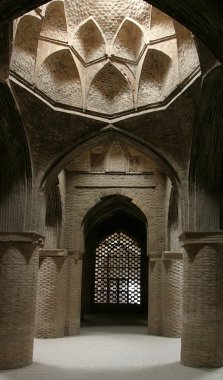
(59, 79)
(161, 25)
(89, 41)
(25, 47)
(115, 229)
(107, 207)
(155, 78)
(104, 136)
(128, 42)
(110, 91)
(54, 23)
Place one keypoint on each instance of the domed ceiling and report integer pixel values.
(103, 58)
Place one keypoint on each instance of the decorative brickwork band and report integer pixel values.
(19, 257)
(172, 293)
(73, 300)
(51, 293)
(202, 333)
(155, 293)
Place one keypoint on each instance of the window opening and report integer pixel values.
(118, 271)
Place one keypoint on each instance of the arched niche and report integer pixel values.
(154, 80)
(128, 41)
(54, 23)
(89, 41)
(25, 47)
(187, 52)
(110, 91)
(59, 79)
(161, 25)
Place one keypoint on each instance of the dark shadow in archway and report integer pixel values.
(114, 217)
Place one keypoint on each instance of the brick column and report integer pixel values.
(73, 302)
(51, 294)
(172, 293)
(202, 334)
(19, 257)
(155, 295)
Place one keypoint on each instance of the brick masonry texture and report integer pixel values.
(54, 57)
(73, 298)
(202, 342)
(155, 297)
(51, 297)
(147, 192)
(18, 277)
(172, 296)
(56, 113)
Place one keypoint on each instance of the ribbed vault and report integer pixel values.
(109, 43)
(205, 23)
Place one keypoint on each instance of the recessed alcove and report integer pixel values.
(54, 23)
(128, 42)
(58, 78)
(89, 41)
(110, 96)
(25, 47)
(153, 84)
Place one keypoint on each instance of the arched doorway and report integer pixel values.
(115, 270)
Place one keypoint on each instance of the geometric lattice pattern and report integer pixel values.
(118, 271)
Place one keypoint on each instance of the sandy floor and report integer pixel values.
(109, 352)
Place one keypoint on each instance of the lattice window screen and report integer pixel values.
(118, 271)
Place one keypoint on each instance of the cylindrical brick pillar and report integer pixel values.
(19, 257)
(51, 294)
(172, 294)
(155, 295)
(202, 333)
(73, 302)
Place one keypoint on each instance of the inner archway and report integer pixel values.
(115, 270)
